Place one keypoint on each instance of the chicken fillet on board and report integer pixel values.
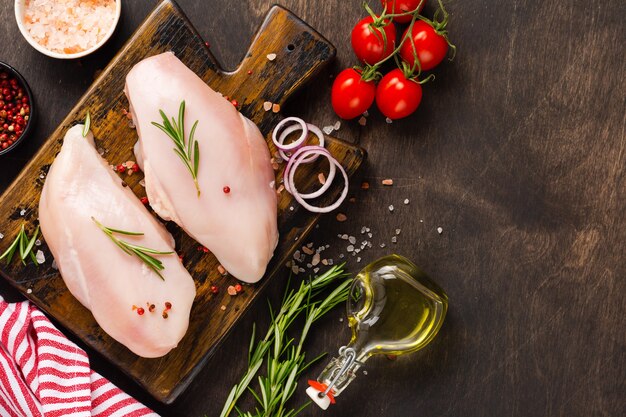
(79, 188)
(234, 214)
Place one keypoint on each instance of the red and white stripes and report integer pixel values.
(42, 373)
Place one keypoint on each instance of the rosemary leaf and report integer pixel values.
(23, 245)
(141, 252)
(187, 150)
(86, 125)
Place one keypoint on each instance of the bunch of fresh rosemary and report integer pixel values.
(284, 357)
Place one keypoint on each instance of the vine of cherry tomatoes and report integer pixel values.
(424, 45)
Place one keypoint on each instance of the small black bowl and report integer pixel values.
(4, 67)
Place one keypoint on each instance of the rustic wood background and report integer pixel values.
(517, 153)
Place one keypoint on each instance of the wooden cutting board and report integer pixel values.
(300, 54)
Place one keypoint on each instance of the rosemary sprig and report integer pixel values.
(86, 124)
(286, 360)
(188, 151)
(25, 246)
(143, 253)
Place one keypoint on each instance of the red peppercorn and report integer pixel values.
(135, 167)
(214, 289)
(238, 288)
(249, 72)
(140, 311)
(205, 249)
(168, 305)
(226, 189)
(234, 103)
(144, 200)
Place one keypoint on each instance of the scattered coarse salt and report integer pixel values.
(29, 291)
(406, 201)
(316, 259)
(41, 258)
(362, 121)
(324, 261)
(221, 270)
(1, 236)
(308, 251)
(54, 264)
(350, 248)
(267, 106)
(358, 259)
(352, 239)
(328, 129)
(231, 290)
(391, 207)
(223, 308)
(295, 269)
(388, 120)
(22, 212)
(337, 125)
(341, 217)
(271, 57)
(322, 178)
(382, 245)
(275, 108)
(398, 231)
(394, 239)
(440, 230)
(387, 181)
(366, 113)
(37, 242)
(296, 255)
(291, 208)
(69, 26)
(272, 184)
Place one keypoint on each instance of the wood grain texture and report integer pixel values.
(301, 53)
(517, 152)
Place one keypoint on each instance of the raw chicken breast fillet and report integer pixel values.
(238, 226)
(80, 185)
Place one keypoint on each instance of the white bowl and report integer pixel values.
(19, 16)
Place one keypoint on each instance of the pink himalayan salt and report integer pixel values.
(69, 26)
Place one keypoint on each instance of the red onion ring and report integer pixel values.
(297, 159)
(305, 160)
(312, 128)
(293, 145)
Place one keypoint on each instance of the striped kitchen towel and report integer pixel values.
(42, 373)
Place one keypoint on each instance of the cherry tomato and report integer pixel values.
(350, 95)
(372, 44)
(431, 47)
(397, 96)
(402, 6)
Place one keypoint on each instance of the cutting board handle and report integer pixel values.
(301, 52)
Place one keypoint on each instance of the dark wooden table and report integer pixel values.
(517, 153)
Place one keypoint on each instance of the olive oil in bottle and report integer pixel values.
(393, 308)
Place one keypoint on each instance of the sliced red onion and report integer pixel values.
(312, 128)
(295, 162)
(305, 160)
(293, 145)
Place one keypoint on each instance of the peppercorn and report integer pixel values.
(168, 305)
(140, 311)
(144, 200)
(226, 189)
(13, 108)
(214, 289)
(238, 288)
(121, 168)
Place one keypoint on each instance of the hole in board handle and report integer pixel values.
(291, 47)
